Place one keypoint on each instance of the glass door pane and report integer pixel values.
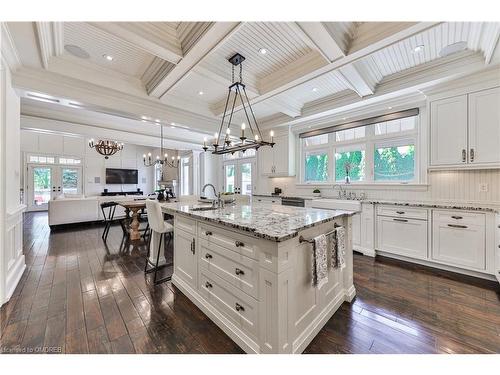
(229, 178)
(42, 185)
(246, 178)
(70, 180)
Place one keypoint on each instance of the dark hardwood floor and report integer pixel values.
(78, 295)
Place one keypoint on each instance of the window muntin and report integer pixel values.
(316, 166)
(383, 152)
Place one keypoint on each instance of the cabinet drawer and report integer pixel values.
(269, 200)
(459, 244)
(238, 270)
(403, 211)
(407, 237)
(185, 224)
(243, 245)
(237, 306)
(458, 217)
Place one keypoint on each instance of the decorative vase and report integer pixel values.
(316, 195)
(161, 196)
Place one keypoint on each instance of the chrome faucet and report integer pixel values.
(212, 186)
(342, 191)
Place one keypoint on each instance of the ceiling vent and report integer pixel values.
(450, 49)
(76, 51)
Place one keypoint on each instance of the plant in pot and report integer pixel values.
(316, 193)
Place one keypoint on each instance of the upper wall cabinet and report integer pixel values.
(465, 130)
(278, 161)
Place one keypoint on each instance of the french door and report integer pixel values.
(238, 176)
(45, 182)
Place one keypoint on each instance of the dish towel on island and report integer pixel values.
(337, 248)
(320, 262)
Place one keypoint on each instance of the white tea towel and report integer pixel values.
(320, 262)
(340, 235)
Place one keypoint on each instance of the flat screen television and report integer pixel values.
(121, 176)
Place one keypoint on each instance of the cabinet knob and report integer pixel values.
(457, 217)
(239, 272)
(208, 285)
(208, 233)
(400, 212)
(208, 256)
(238, 307)
(239, 244)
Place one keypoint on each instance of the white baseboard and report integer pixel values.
(364, 250)
(13, 278)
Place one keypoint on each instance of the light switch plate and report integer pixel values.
(483, 187)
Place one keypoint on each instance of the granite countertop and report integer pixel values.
(274, 223)
(444, 205)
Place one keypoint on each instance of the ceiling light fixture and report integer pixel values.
(148, 161)
(108, 57)
(106, 147)
(314, 89)
(418, 48)
(389, 107)
(200, 93)
(262, 51)
(223, 143)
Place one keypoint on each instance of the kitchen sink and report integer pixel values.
(337, 204)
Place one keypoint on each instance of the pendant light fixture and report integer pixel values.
(105, 147)
(172, 163)
(223, 142)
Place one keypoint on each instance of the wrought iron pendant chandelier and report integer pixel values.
(149, 162)
(105, 147)
(223, 142)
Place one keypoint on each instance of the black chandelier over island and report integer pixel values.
(149, 162)
(105, 147)
(223, 142)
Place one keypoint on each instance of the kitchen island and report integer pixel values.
(246, 269)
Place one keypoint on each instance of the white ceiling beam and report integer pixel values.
(286, 106)
(494, 42)
(145, 39)
(356, 81)
(209, 41)
(251, 91)
(325, 42)
(50, 40)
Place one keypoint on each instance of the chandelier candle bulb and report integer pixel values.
(271, 133)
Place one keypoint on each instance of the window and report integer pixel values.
(382, 152)
(185, 176)
(395, 163)
(316, 166)
(350, 162)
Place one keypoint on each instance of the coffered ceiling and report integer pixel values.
(177, 72)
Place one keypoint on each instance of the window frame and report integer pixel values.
(369, 143)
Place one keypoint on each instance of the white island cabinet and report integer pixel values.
(246, 269)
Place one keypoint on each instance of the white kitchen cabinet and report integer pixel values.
(459, 242)
(449, 131)
(356, 231)
(266, 199)
(278, 161)
(484, 126)
(402, 236)
(497, 247)
(185, 261)
(367, 224)
(465, 130)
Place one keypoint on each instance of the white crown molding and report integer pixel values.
(8, 48)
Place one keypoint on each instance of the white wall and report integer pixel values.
(12, 262)
(94, 164)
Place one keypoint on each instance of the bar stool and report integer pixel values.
(158, 225)
(109, 218)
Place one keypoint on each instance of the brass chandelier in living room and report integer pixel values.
(105, 147)
(149, 162)
(223, 142)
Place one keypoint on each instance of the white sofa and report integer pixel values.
(70, 209)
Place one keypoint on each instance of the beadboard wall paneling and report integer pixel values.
(444, 186)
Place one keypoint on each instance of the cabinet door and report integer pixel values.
(367, 226)
(484, 126)
(185, 256)
(266, 160)
(281, 161)
(407, 237)
(356, 231)
(449, 131)
(460, 245)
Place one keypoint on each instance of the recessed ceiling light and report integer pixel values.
(172, 123)
(76, 51)
(418, 49)
(262, 51)
(344, 118)
(200, 93)
(389, 107)
(314, 89)
(107, 57)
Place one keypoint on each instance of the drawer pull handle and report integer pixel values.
(472, 155)
(239, 272)
(193, 246)
(208, 233)
(208, 256)
(208, 285)
(457, 226)
(464, 155)
(239, 244)
(401, 220)
(238, 307)
(457, 217)
(400, 212)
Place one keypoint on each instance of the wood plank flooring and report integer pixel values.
(79, 295)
